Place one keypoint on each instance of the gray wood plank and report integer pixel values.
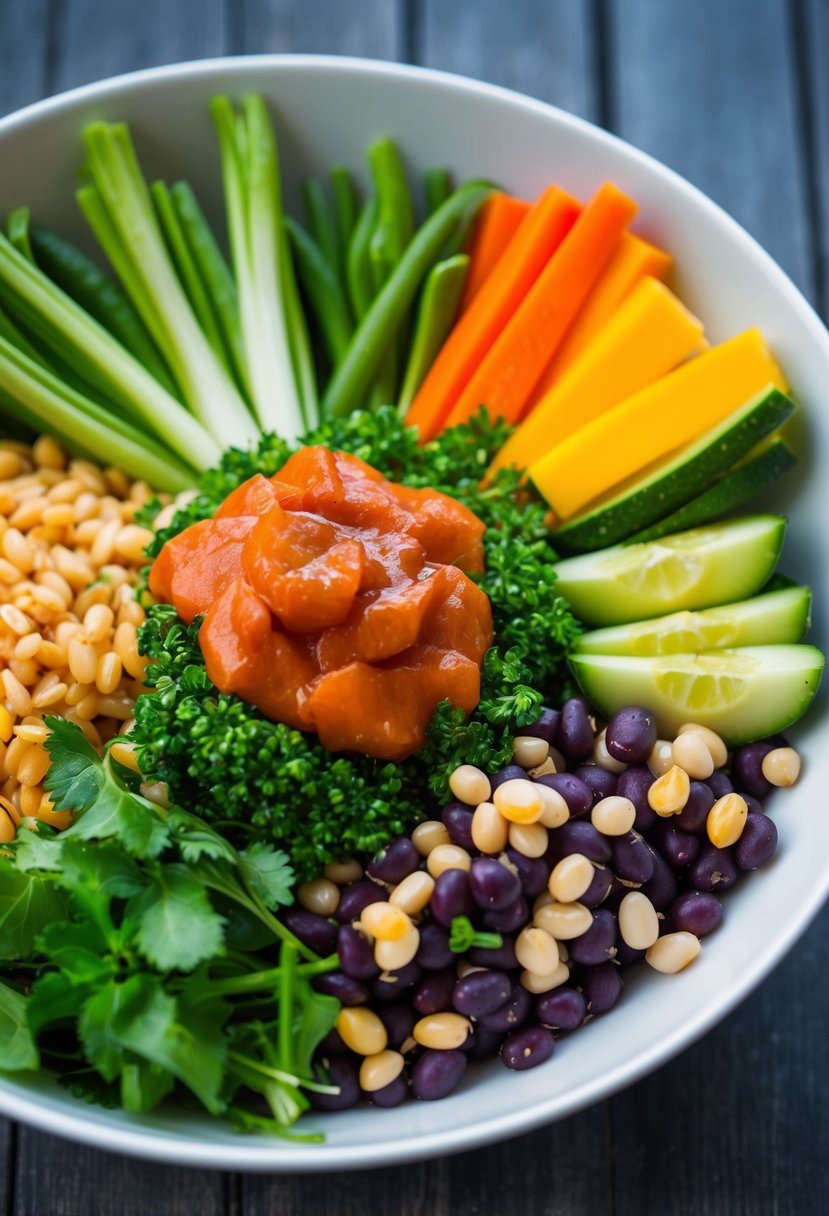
(710, 88)
(23, 59)
(96, 38)
(551, 1172)
(738, 1126)
(541, 47)
(7, 1131)
(373, 28)
(63, 1179)
(813, 45)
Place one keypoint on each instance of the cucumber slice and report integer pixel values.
(731, 491)
(742, 694)
(677, 479)
(696, 569)
(776, 617)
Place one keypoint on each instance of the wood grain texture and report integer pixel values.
(56, 1178)
(711, 89)
(23, 53)
(812, 27)
(738, 1125)
(372, 28)
(557, 1171)
(7, 1137)
(93, 39)
(542, 47)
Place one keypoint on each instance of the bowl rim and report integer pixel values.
(254, 1155)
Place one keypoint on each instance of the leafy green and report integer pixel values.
(138, 987)
(265, 781)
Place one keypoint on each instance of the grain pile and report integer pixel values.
(70, 557)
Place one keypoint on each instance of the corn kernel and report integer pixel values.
(726, 820)
(385, 922)
(669, 793)
(519, 801)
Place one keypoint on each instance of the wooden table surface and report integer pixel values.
(735, 95)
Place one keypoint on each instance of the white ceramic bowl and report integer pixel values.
(326, 110)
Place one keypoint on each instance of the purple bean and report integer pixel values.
(392, 984)
(399, 1020)
(457, 819)
(562, 1009)
(533, 873)
(355, 954)
(481, 992)
(696, 912)
(755, 806)
(433, 994)
(331, 1045)
(719, 783)
(452, 896)
(482, 1043)
(634, 784)
(511, 772)
(677, 847)
(345, 988)
(437, 1073)
(507, 920)
(512, 1014)
(631, 734)
(601, 884)
(713, 870)
(626, 954)
(661, 886)
(747, 768)
(758, 843)
(597, 944)
(600, 782)
(694, 814)
(397, 861)
(319, 934)
(580, 837)
(575, 731)
(527, 1047)
(357, 896)
(493, 886)
(433, 953)
(393, 1094)
(632, 859)
(545, 727)
(577, 795)
(342, 1071)
(602, 987)
(502, 956)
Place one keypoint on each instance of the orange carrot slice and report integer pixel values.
(529, 251)
(496, 226)
(633, 261)
(509, 372)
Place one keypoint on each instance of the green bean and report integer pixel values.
(187, 270)
(299, 344)
(436, 315)
(395, 217)
(216, 277)
(385, 316)
(358, 266)
(18, 229)
(346, 206)
(437, 188)
(321, 222)
(323, 291)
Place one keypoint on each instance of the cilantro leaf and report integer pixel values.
(54, 998)
(28, 904)
(195, 839)
(77, 949)
(80, 781)
(177, 925)
(18, 1050)
(269, 873)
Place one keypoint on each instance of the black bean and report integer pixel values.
(600, 782)
(493, 886)
(634, 784)
(602, 987)
(533, 873)
(575, 731)
(580, 837)
(437, 1073)
(342, 1072)
(545, 727)
(433, 953)
(598, 943)
(562, 1009)
(393, 1094)
(577, 795)
(758, 842)
(397, 861)
(481, 992)
(457, 819)
(356, 954)
(345, 988)
(357, 896)
(631, 735)
(319, 934)
(528, 1047)
(433, 994)
(452, 896)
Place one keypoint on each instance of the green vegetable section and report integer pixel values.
(273, 783)
(149, 942)
(743, 694)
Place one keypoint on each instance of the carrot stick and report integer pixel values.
(547, 224)
(633, 261)
(495, 227)
(507, 375)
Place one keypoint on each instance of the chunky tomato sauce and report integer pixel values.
(336, 601)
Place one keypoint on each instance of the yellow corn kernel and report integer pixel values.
(726, 820)
(669, 793)
(362, 1031)
(519, 801)
(384, 922)
(6, 724)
